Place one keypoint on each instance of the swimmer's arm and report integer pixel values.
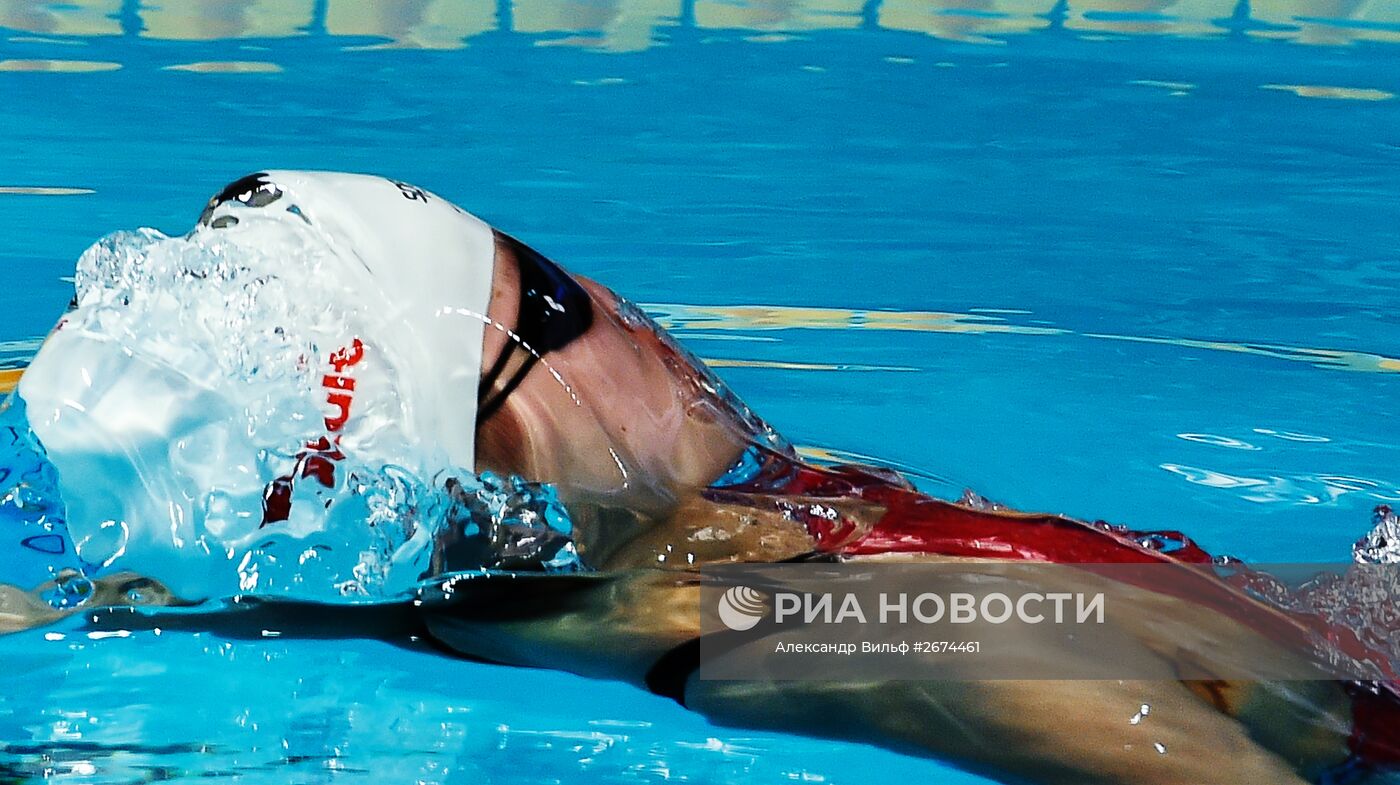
(1046, 732)
(702, 529)
(607, 626)
(620, 626)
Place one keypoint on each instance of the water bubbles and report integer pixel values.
(505, 523)
(216, 415)
(1163, 541)
(976, 501)
(1382, 544)
(106, 544)
(69, 590)
(1141, 714)
(35, 548)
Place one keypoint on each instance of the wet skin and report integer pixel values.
(632, 430)
(627, 428)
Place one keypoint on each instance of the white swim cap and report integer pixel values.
(168, 432)
(417, 266)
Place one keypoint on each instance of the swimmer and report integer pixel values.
(556, 379)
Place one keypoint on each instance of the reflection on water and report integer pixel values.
(684, 318)
(17, 353)
(1215, 440)
(1291, 489)
(704, 322)
(39, 190)
(629, 25)
(178, 705)
(1173, 88)
(1321, 358)
(694, 321)
(59, 66)
(227, 67)
(405, 23)
(203, 20)
(1322, 91)
(779, 365)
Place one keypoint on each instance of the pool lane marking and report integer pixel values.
(9, 379)
(786, 317)
(700, 319)
(764, 318)
(23, 348)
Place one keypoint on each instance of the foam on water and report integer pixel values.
(191, 382)
(1381, 545)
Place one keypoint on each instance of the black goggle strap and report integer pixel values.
(554, 310)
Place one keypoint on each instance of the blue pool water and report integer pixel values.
(1125, 259)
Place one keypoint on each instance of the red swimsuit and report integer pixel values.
(914, 523)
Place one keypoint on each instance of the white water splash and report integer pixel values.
(198, 375)
(1381, 545)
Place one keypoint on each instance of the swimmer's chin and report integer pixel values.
(22, 610)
